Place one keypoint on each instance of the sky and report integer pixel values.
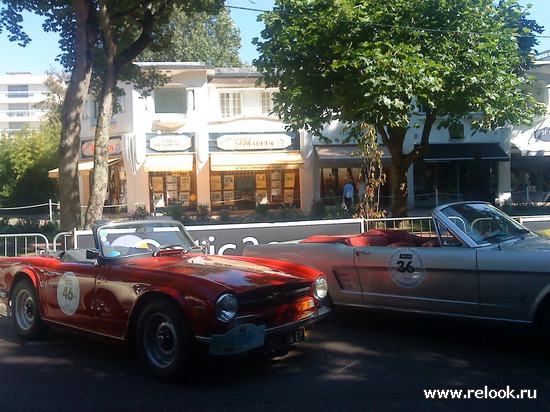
(39, 56)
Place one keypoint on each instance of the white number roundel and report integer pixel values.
(68, 293)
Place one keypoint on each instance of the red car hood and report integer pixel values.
(235, 274)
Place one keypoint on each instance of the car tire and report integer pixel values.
(163, 341)
(26, 317)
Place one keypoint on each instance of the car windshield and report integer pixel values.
(484, 223)
(122, 239)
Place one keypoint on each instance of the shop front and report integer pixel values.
(455, 172)
(244, 175)
(170, 165)
(530, 165)
(340, 163)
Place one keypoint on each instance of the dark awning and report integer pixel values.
(466, 151)
(343, 155)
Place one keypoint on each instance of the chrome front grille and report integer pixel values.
(273, 296)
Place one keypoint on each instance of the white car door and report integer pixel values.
(434, 279)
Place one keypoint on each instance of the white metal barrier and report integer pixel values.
(23, 244)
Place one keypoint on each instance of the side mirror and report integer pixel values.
(92, 253)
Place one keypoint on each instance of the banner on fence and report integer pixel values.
(232, 238)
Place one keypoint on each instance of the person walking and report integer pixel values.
(349, 191)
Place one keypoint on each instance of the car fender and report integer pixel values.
(192, 307)
(16, 273)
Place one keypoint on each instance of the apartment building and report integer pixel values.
(19, 95)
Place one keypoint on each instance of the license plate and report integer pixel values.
(285, 340)
(239, 339)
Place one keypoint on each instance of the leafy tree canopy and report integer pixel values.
(368, 61)
(206, 37)
(25, 159)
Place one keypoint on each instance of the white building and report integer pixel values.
(19, 94)
(208, 138)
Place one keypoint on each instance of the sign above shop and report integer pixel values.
(170, 143)
(87, 147)
(254, 141)
(542, 134)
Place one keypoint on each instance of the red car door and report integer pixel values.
(68, 293)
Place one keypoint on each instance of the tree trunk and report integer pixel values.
(399, 186)
(75, 98)
(100, 174)
(393, 138)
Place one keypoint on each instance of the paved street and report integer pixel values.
(358, 360)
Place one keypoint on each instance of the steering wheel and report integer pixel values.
(149, 244)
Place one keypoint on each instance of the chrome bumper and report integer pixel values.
(323, 312)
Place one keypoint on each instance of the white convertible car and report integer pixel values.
(479, 263)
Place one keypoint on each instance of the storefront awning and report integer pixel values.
(465, 151)
(255, 161)
(169, 163)
(342, 155)
(84, 166)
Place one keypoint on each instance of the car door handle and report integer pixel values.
(362, 252)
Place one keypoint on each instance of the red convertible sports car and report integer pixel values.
(147, 285)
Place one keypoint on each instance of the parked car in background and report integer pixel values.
(478, 262)
(147, 285)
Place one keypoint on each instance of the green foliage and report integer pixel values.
(226, 217)
(373, 175)
(203, 213)
(175, 211)
(198, 37)
(25, 159)
(368, 61)
(318, 209)
(140, 213)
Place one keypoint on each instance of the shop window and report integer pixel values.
(245, 190)
(117, 197)
(170, 100)
(230, 104)
(173, 188)
(116, 200)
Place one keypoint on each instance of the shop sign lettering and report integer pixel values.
(254, 141)
(170, 143)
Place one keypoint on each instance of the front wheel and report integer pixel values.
(163, 341)
(26, 311)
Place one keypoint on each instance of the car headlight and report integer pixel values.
(320, 288)
(226, 307)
